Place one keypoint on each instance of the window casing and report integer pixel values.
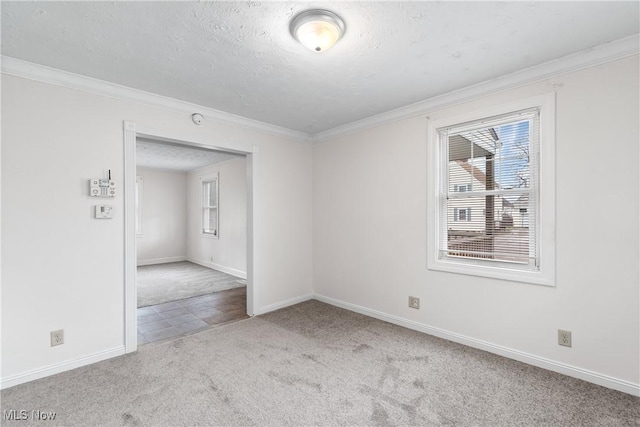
(491, 192)
(210, 208)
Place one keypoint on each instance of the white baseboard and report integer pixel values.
(228, 270)
(35, 374)
(283, 304)
(541, 362)
(161, 260)
(562, 368)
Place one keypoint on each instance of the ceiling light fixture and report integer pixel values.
(317, 29)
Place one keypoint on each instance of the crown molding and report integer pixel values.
(584, 59)
(29, 70)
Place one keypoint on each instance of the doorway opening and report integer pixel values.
(188, 236)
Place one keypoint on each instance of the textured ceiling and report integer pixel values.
(239, 57)
(155, 154)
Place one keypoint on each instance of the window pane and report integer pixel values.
(210, 221)
(205, 220)
(513, 162)
(490, 156)
(212, 192)
(478, 231)
(209, 193)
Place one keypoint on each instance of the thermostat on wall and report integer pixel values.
(104, 212)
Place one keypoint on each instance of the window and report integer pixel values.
(499, 163)
(139, 205)
(210, 206)
(462, 214)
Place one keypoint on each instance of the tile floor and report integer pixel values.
(177, 318)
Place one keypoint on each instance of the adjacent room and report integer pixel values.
(190, 275)
(320, 213)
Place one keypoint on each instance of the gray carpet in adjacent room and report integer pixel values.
(179, 280)
(314, 364)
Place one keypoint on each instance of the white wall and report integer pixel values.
(164, 217)
(62, 269)
(370, 232)
(228, 252)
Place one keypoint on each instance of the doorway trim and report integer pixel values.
(133, 130)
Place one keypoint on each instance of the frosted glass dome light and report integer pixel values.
(317, 29)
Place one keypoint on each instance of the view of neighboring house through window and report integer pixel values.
(210, 206)
(491, 202)
(490, 188)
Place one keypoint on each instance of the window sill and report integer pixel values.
(209, 236)
(493, 272)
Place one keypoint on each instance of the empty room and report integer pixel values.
(190, 239)
(410, 219)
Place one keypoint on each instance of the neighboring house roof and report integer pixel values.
(475, 143)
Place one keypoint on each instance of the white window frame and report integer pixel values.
(139, 197)
(203, 181)
(544, 272)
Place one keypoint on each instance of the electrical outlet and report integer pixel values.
(57, 337)
(564, 338)
(414, 302)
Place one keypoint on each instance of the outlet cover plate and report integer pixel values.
(57, 337)
(564, 338)
(414, 302)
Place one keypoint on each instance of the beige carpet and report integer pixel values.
(179, 280)
(314, 364)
